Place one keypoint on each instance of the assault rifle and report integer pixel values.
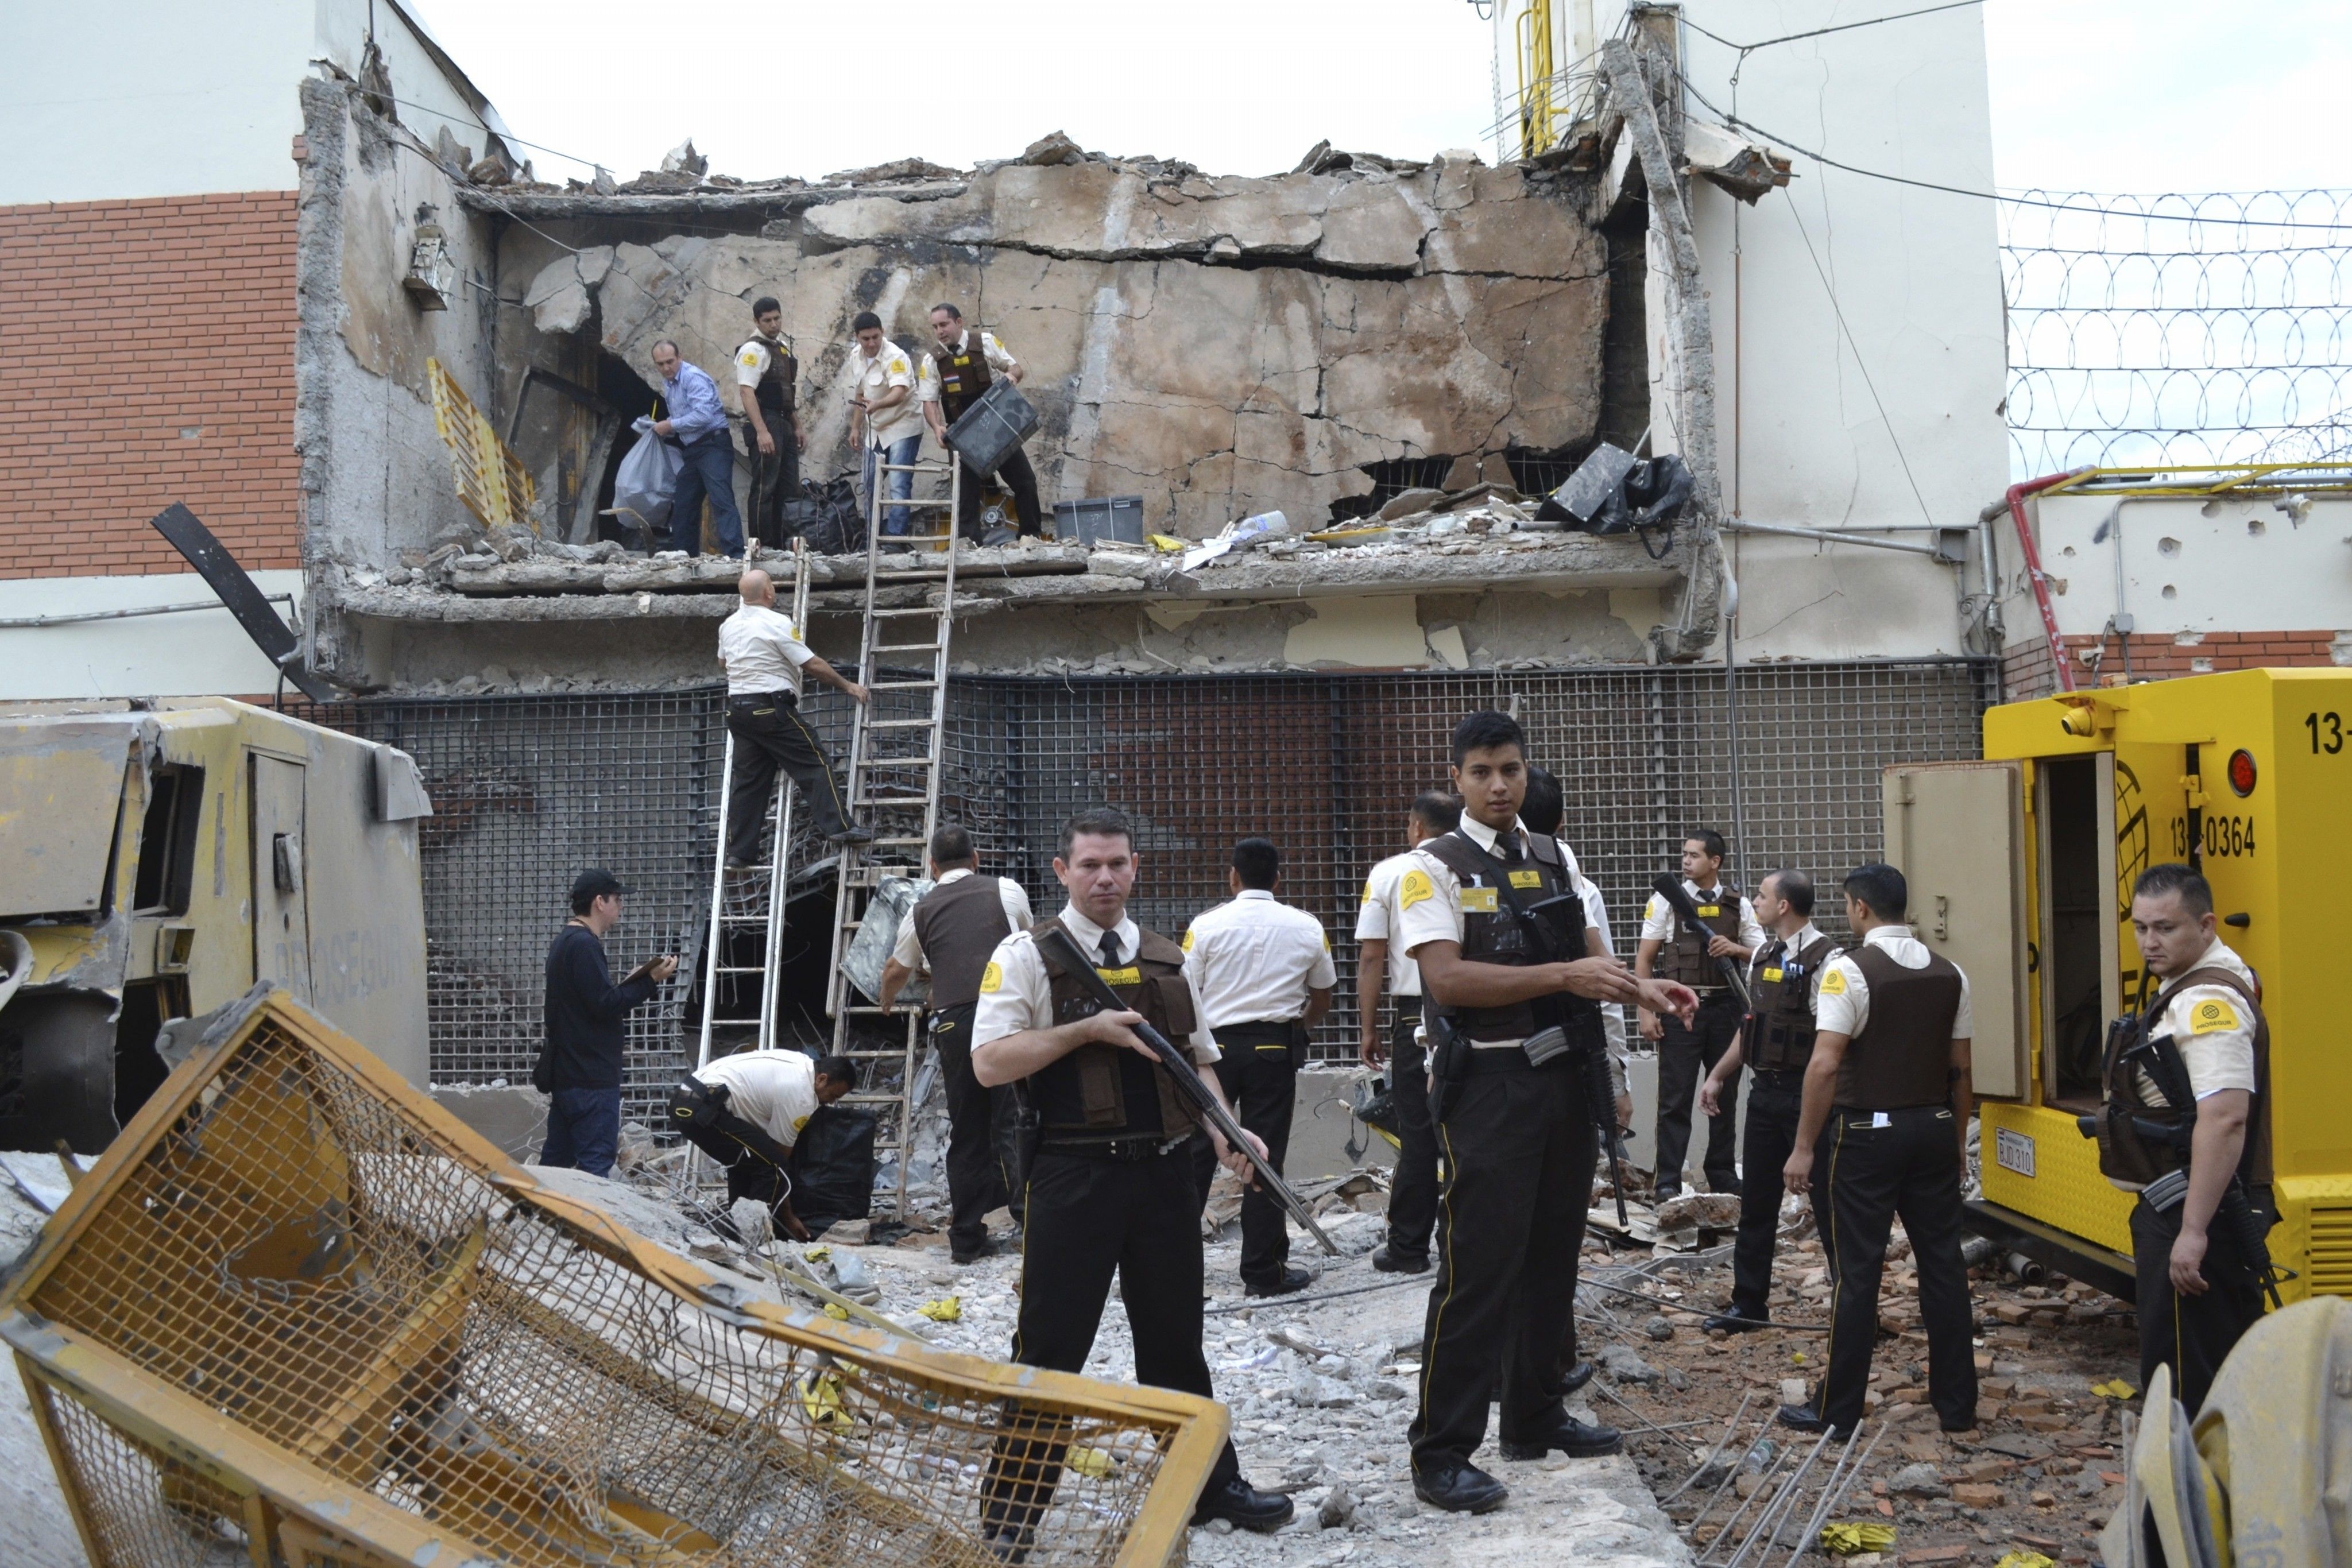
(1678, 899)
(1064, 957)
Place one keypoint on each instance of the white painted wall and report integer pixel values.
(202, 653)
(2188, 565)
(117, 100)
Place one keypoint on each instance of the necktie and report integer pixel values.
(1507, 848)
(1109, 950)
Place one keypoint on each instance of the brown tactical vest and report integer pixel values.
(1780, 1027)
(960, 923)
(1903, 1057)
(2124, 1155)
(1684, 958)
(1099, 1092)
(1491, 935)
(963, 373)
(774, 389)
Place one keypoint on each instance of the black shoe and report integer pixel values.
(1388, 1260)
(960, 1255)
(1244, 1507)
(1292, 1278)
(1733, 1322)
(1460, 1488)
(1665, 1195)
(1801, 1418)
(1963, 1424)
(1577, 1439)
(1577, 1376)
(1010, 1542)
(851, 836)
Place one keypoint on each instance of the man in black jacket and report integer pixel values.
(585, 1015)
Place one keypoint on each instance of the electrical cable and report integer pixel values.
(1685, 1306)
(1839, 27)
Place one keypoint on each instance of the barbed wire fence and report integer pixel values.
(2178, 330)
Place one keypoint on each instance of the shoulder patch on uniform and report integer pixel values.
(1327, 940)
(1415, 888)
(2212, 1016)
(1187, 942)
(1834, 983)
(1368, 890)
(992, 979)
(749, 358)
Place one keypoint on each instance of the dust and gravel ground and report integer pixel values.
(1321, 1387)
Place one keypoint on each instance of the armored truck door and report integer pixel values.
(1956, 831)
(281, 907)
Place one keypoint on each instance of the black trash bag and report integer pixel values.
(1614, 493)
(832, 1168)
(827, 515)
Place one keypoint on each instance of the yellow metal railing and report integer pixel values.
(1538, 91)
(299, 1312)
(2207, 479)
(491, 480)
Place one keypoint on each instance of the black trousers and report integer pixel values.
(1017, 476)
(1260, 1079)
(1090, 1217)
(1519, 1148)
(769, 733)
(754, 1161)
(1775, 1101)
(1685, 1056)
(975, 1181)
(1413, 1191)
(775, 478)
(1912, 1167)
(2191, 1335)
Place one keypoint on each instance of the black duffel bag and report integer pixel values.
(832, 1168)
(828, 517)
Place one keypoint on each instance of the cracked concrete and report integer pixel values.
(1221, 346)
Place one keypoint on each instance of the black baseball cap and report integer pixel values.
(594, 882)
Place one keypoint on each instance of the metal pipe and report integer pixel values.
(2015, 500)
(1784, 1500)
(2027, 1269)
(26, 622)
(1826, 536)
(1763, 1490)
(1728, 1475)
(1729, 1432)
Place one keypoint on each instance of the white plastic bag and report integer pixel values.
(643, 486)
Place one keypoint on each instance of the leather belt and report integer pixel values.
(1129, 1151)
(753, 699)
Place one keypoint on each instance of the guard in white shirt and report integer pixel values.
(1505, 1011)
(951, 935)
(956, 371)
(1887, 1100)
(1413, 1186)
(1264, 973)
(764, 657)
(1775, 1043)
(2188, 1089)
(1686, 1055)
(746, 1112)
(1110, 1189)
(766, 375)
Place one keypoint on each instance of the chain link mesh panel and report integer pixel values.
(294, 1253)
(527, 791)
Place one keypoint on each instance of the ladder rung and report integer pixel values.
(900, 723)
(932, 610)
(902, 686)
(905, 648)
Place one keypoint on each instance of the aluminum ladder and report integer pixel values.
(749, 906)
(896, 760)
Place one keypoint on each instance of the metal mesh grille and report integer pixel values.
(530, 789)
(150, 1512)
(302, 1253)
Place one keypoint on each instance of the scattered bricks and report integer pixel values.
(1977, 1494)
(1935, 1554)
(1987, 1470)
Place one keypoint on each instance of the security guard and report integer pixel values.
(746, 1111)
(962, 363)
(1775, 1042)
(1888, 1081)
(2203, 1044)
(949, 934)
(1110, 1189)
(1685, 1055)
(768, 666)
(765, 368)
(1516, 1136)
(1413, 1186)
(1264, 973)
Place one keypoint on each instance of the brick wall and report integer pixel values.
(147, 357)
(2026, 671)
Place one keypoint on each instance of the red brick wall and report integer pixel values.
(122, 326)
(2161, 655)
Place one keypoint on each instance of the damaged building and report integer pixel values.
(1401, 355)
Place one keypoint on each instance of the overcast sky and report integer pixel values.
(2106, 95)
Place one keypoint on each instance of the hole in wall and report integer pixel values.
(2168, 547)
(626, 390)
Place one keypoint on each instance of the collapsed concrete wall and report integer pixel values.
(1221, 346)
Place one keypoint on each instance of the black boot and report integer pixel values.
(1567, 1435)
(1245, 1506)
(1459, 1489)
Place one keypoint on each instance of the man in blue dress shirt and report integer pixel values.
(697, 423)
